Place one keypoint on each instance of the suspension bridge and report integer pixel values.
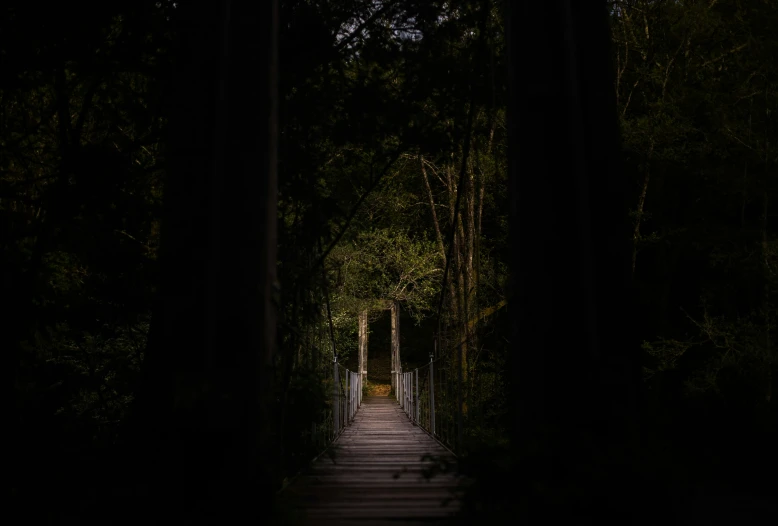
(387, 460)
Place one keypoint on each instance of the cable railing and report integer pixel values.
(428, 396)
(344, 400)
(435, 396)
(346, 397)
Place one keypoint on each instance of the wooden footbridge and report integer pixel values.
(375, 475)
(385, 464)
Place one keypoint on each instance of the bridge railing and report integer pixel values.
(426, 395)
(343, 401)
(346, 397)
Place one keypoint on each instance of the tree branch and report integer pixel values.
(373, 185)
(347, 40)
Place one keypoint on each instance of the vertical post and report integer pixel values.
(432, 398)
(363, 334)
(348, 397)
(417, 396)
(409, 394)
(336, 399)
(400, 383)
(400, 378)
(400, 388)
(405, 391)
(395, 312)
(391, 352)
(342, 410)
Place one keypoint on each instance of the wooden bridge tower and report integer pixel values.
(394, 308)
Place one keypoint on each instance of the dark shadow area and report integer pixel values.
(379, 354)
(577, 199)
(416, 340)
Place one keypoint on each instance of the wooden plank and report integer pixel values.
(375, 474)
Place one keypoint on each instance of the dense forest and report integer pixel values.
(392, 186)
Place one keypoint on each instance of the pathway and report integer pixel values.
(376, 476)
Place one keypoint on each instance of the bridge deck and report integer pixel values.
(376, 475)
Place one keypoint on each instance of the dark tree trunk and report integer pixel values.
(574, 376)
(206, 408)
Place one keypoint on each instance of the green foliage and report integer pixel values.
(696, 91)
(80, 187)
(387, 264)
(666, 353)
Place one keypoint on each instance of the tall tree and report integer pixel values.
(207, 401)
(574, 376)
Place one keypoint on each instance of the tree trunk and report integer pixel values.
(435, 223)
(574, 377)
(766, 302)
(207, 407)
(452, 199)
(639, 210)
